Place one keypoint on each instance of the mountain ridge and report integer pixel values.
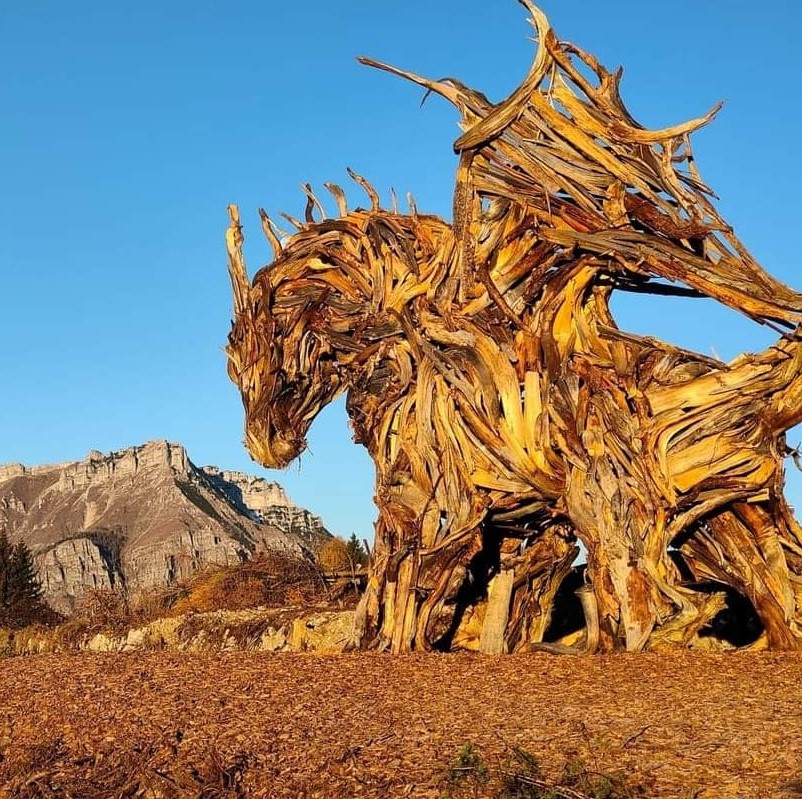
(144, 517)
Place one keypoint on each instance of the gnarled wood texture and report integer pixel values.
(508, 416)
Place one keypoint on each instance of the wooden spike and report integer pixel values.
(270, 233)
(339, 197)
(312, 202)
(294, 221)
(373, 195)
(443, 88)
(236, 262)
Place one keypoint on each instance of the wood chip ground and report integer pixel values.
(369, 725)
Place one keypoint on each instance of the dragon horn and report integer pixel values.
(339, 197)
(312, 202)
(369, 190)
(270, 233)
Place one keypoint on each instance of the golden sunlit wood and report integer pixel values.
(508, 416)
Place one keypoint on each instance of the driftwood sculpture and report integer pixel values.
(508, 416)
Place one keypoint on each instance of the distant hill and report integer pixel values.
(144, 517)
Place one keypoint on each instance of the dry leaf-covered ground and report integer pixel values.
(371, 725)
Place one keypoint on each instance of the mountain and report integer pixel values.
(144, 517)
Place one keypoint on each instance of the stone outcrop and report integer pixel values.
(323, 631)
(144, 517)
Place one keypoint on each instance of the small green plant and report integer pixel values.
(467, 773)
(593, 784)
(520, 776)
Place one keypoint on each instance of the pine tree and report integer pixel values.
(20, 590)
(25, 583)
(357, 553)
(6, 553)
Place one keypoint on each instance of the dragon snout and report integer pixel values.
(271, 448)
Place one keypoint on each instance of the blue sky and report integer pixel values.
(126, 129)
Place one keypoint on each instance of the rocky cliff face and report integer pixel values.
(143, 517)
(264, 502)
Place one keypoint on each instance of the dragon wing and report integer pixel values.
(564, 147)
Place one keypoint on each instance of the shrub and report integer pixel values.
(270, 578)
(103, 609)
(467, 772)
(337, 554)
(333, 555)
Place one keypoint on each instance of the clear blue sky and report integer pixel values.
(126, 129)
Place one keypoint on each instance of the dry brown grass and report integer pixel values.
(269, 579)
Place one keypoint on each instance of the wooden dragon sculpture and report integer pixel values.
(508, 416)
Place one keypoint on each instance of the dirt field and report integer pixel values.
(367, 725)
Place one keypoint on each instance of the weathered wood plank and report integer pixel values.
(491, 642)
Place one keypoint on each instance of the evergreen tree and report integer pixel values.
(357, 553)
(20, 590)
(24, 581)
(6, 552)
